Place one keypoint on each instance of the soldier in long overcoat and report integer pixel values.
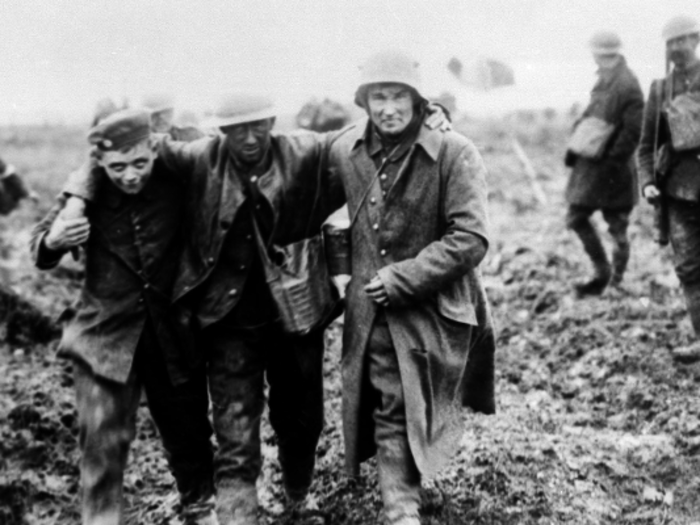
(608, 182)
(672, 174)
(418, 342)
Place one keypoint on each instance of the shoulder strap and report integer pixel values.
(369, 186)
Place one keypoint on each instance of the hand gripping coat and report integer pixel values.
(438, 315)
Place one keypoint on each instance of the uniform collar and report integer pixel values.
(429, 140)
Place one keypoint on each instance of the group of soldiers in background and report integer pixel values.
(665, 134)
(176, 226)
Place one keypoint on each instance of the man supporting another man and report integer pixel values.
(418, 341)
(669, 169)
(607, 182)
(122, 339)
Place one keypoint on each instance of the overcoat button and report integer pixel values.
(233, 292)
(375, 227)
(253, 179)
(382, 253)
(373, 201)
(210, 260)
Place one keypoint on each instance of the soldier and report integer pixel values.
(418, 342)
(121, 338)
(605, 179)
(162, 109)
(669, 169)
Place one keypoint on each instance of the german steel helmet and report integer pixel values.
(157, 102)
(680, 26)
(239, 108)
(389, 66)
(605, 43)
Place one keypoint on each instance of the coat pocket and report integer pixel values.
(455, 303)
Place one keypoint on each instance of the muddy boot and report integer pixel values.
(304, 510)
(601, 266)
(199, 513)
(620, 258)
(399, 481)
(237, 503)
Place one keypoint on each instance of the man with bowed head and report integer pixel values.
(672, 173)
(122, 336)
(418, 343)
(607, 182)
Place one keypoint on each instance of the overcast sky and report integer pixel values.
(60, 56)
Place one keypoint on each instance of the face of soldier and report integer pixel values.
(130, 168)
(390, 107)
(681, 50)
(248, 142)
(606, 62)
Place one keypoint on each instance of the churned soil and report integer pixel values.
(595, 422)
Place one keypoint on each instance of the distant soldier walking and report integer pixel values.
(669, 166)
(600, 153)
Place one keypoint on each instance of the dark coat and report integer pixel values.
(131, 260)
(289, 188)
(610, 182)
(431, 236)
(682, 177)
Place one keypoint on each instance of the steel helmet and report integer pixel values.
(389, 66)
(605, 43)
(157, 102)
(239, 108)
(680, 26)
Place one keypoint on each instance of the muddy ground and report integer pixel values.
(595, 422)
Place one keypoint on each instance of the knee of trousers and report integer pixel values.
(577, 221)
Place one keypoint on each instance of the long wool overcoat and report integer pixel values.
(438, 318)
(611, 181)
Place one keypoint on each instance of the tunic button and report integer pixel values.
(140, 300)
(382, 253)
(233, 292)
(253, 179)
(373, 201)
(241, 267)
(383, 194)
(137, 228)
(210, 260)
(375, 227)
(257, 206)
(248, 237)
(146, 286)
(383, 176)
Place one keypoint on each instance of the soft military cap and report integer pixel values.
(241, 108)
(388, 67)
(605, 43)
(121, 129)
(156, 102)
(678, 26)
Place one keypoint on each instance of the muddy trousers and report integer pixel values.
(399, 478)
(684, 233)
(107, 426)
(239, 362)
(578, 220)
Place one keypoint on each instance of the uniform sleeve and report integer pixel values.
(631, 111)
(648, 139)
(463, 245)
(43, 258)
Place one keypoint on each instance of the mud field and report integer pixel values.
(595, 422)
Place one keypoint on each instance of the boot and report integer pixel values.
(399, 481)
(199, 513)
(237, 503)
(601, 266)
(620, 258)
